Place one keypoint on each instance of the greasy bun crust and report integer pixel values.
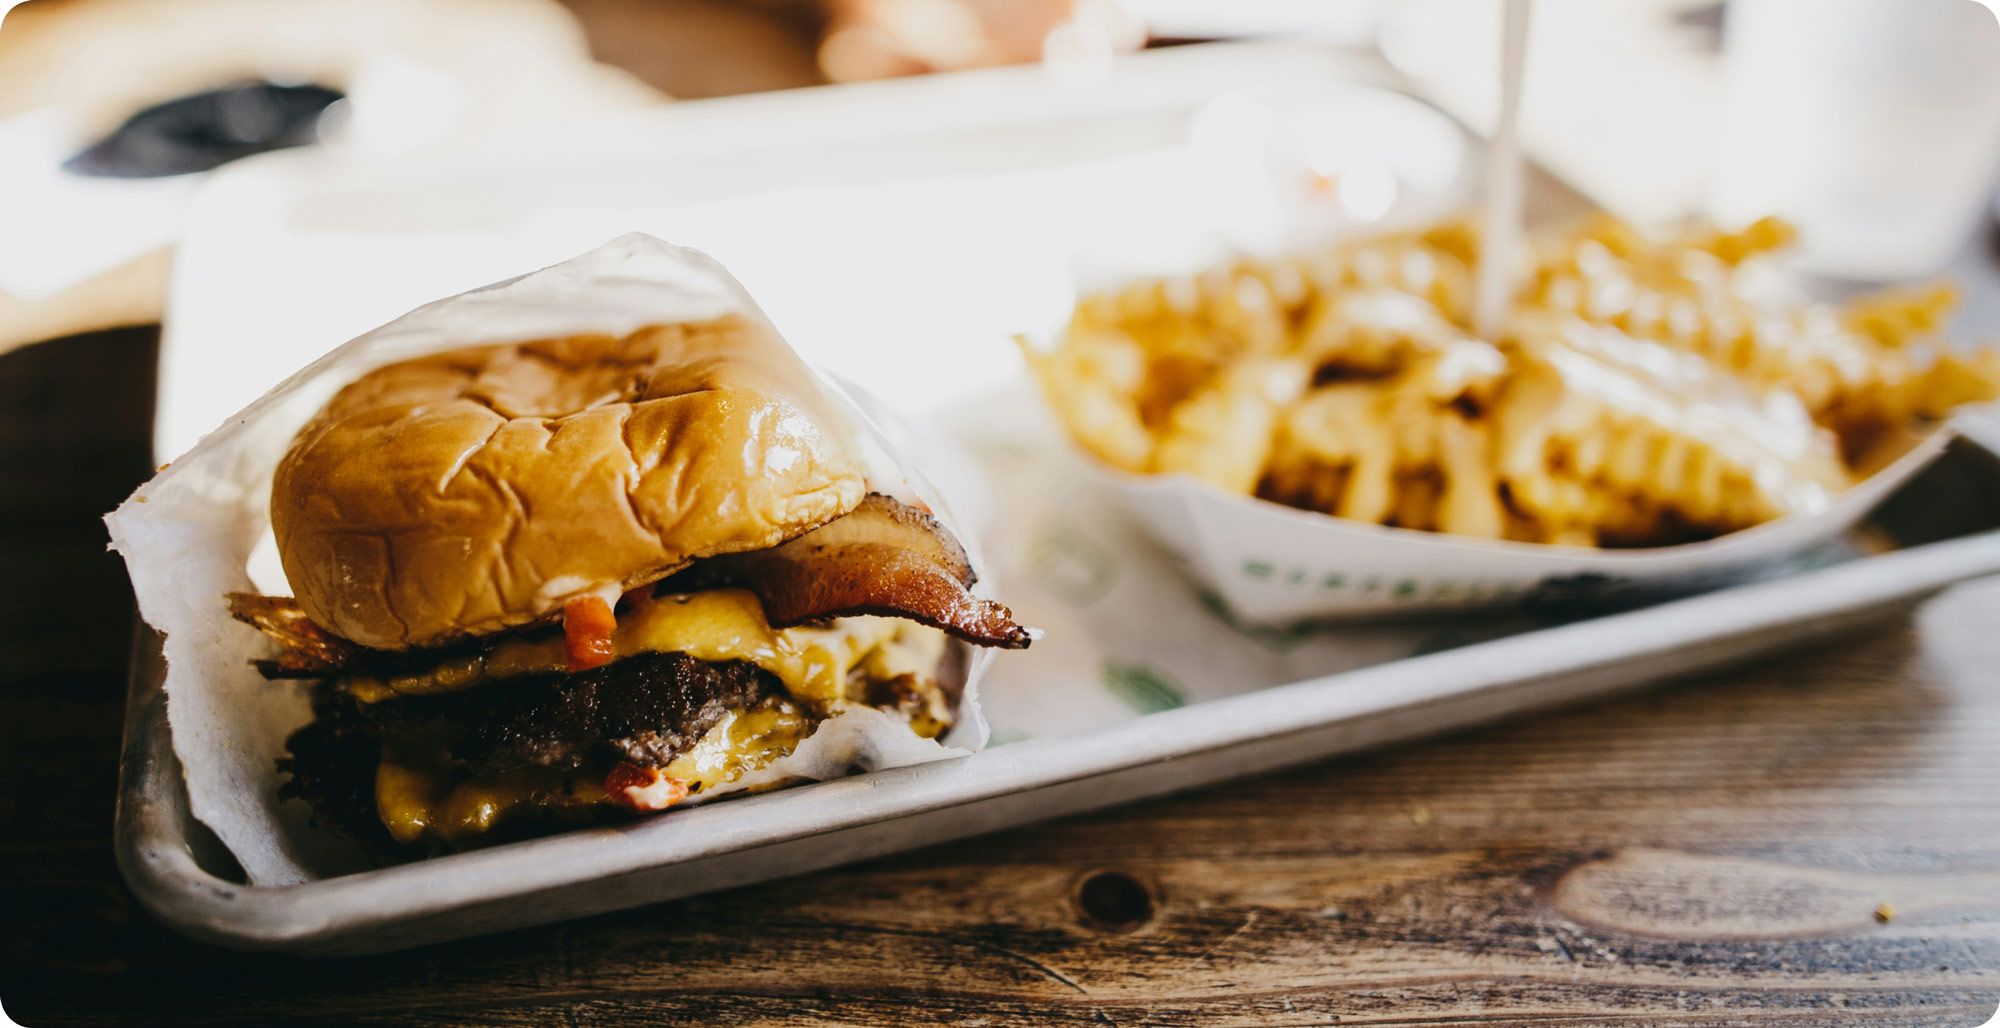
(480, 489)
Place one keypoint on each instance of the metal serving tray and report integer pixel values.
(1941, 529)
(1946, 521)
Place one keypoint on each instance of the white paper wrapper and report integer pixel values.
(1275, 565)
(188, 535)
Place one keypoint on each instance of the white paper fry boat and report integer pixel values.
(1274, 564)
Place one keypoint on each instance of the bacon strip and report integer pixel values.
(885, 558)
(306, 649)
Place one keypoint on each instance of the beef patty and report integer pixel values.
(645, 710)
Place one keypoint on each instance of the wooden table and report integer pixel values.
(1816, 840)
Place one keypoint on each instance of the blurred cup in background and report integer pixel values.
(1872, 125)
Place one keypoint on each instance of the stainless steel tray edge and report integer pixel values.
(831, 823)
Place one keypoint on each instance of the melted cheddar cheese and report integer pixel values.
(823, 668)
(744, 741)
(418, 802)
(813, 663)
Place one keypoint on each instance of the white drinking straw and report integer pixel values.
(1501, 230)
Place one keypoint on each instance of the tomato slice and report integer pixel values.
(644, 789)
(587, 627)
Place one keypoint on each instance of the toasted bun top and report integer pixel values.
(480, 489)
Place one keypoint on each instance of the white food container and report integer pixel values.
(1277, 565)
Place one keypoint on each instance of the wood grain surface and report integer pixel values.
(1812, 841)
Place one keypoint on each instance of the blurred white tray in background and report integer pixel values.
(896, 232)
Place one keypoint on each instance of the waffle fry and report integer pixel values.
(1644, 393)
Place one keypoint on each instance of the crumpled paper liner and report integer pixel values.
(1277, 565)
(188, 534)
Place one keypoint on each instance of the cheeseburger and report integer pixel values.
(548, 582)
